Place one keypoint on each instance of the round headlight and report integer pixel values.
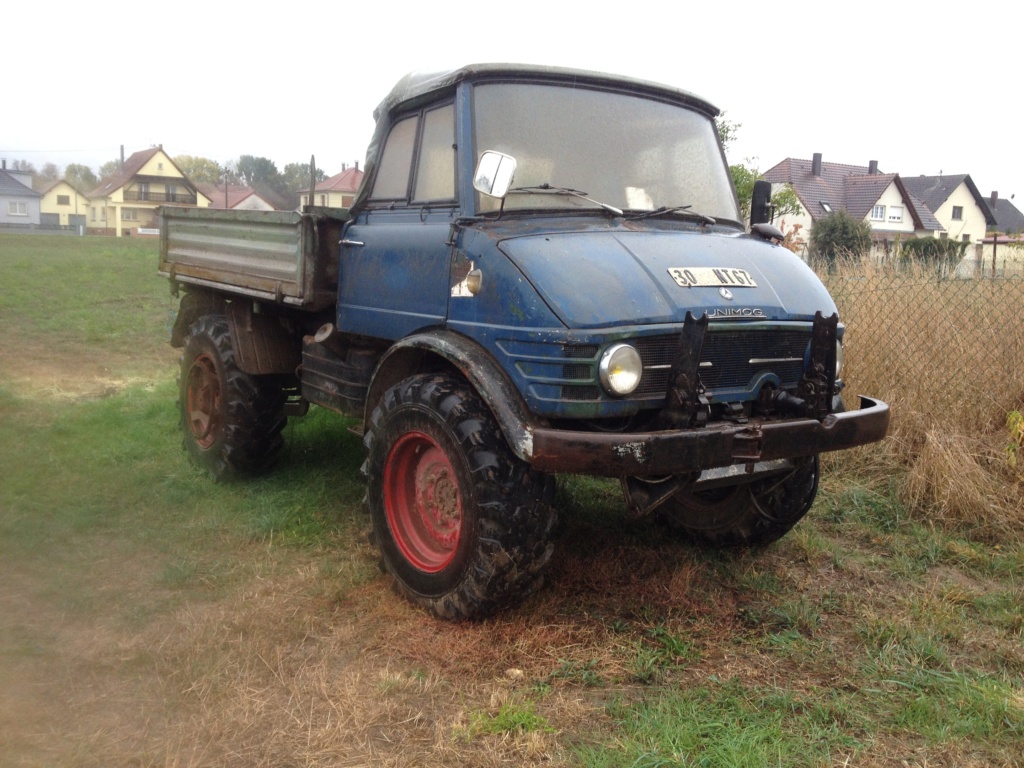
(620, 369)
(839, 358)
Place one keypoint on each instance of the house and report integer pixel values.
(956, 203)
(880, 199)
(338, 191)
(1009, 220)
(62, 206)
(127, 201)
(19, 203)
(238, 197)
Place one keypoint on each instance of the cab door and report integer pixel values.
(395, 257)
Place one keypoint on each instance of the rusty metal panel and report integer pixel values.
(254, 253)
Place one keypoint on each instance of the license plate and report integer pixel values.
(712, 277)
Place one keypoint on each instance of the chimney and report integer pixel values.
(995, 199)
(357, 165)
(816, 164)
(121, 167)
(872, 167)
(344, 167)
(5, 164)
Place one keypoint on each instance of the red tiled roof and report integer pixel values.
(236, 193)
(346, 181)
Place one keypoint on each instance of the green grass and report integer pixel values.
(250, 617)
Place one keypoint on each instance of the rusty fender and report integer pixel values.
(717, 445)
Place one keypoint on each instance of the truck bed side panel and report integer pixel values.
(264, 254)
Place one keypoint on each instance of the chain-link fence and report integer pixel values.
(947, 349)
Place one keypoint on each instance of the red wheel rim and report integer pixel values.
(422, 502)
(202, 401)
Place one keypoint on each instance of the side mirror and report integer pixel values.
(761, 203)
(494, 173)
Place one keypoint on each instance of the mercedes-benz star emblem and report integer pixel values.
(726, 293)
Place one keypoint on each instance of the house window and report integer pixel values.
(63, 199)
(172, 192)
(878, 213)
(895, 213)
(943, 235)
(129, 214)
(17, 208)
(966, 238)
(958, 213)
(826, 207)
(323, 200)
(94, 214)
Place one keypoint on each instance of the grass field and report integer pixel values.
(150, 617)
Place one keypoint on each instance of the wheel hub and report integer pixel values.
(203, 401)
(422, 501)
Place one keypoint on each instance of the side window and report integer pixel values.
(435, 170)
(392, 180)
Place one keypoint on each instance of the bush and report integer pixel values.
(839, 235)
(943, 255)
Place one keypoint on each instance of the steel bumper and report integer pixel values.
(717, 445)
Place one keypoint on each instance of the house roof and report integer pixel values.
(346, 181)
(935, 190)
(236, 193)
(54, 184)
(131, 168)
(852, 188)
(1008, 218)
(11, 187)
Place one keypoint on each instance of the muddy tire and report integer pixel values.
(231, 421)
(462, 524)
(752, 514)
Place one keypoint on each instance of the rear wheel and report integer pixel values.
(231, 421)
(751, 514)
(463, 525)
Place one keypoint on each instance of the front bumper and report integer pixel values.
(716, 445)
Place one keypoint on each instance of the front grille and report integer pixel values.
(729, 359)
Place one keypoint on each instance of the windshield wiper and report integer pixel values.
(666, 211)
(547, 188)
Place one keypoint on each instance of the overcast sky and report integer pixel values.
(922, 88)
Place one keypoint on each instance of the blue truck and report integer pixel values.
(545, 272)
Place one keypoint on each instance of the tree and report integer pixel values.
(49, 174)
(295, 180)
(784, 200)
(199, 170)
(838, 236)
(109, 168)
(24, 166)
(80, 177)
(259, 171)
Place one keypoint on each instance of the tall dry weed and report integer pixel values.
(948, 356)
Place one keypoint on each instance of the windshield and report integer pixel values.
(626, 151)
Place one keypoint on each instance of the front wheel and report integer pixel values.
(751, 514)
(463, 525)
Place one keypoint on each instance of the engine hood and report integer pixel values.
(594, 279)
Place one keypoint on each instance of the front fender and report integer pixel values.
(424, 351)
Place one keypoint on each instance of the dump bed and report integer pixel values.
(280, 256)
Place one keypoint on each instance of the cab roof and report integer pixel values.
(420, 87)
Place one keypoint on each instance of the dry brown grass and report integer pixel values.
(948, 356)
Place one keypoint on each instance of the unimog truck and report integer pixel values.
(545, 272)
